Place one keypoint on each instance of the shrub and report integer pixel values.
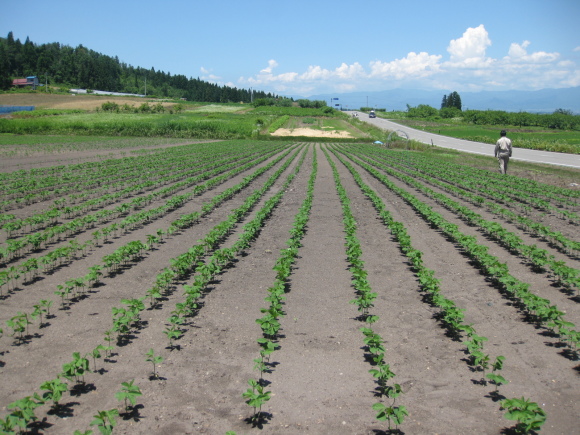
(110, 106)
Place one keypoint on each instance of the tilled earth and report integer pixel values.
(320, 381)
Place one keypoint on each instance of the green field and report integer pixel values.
(190, 120)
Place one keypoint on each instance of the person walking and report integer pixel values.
(503, 151)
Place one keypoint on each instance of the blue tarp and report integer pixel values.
(10, 109)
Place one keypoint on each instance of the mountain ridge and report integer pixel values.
(539, 101)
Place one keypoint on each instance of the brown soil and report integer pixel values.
(320, 381)
(70, 101)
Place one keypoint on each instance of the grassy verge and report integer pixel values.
(564, 141)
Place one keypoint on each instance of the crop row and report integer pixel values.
(25, 187)
(495, 205)
(124, 319)
(74, 288)
(545, 313)
(540, 259)
(374, 343)
(256, 395)
(140, 182)
(528, 414)
(54, 258)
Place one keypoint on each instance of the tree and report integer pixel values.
(5, 81)
(563, 112)
(452, 100)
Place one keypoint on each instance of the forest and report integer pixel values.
(81, 67)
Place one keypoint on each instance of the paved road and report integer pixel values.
(560, 159)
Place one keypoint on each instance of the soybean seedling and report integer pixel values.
(129, 392)
(494, 377)
(23, 411)
(105, 421)
(96, 353)
(395, 415)
(529, 415)
(54, 390)
(154, 359)
(256, 397)
(76, 369)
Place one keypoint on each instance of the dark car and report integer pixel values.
(372, 114)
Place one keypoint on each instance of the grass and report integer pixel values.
(61, 115)
(221, 108)
(566, 141)
(189, 124)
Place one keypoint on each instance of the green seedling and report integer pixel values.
(109, 338)
(153, 294)
(96, 353)
(55, 388)
(498, 380)
(260, 365)
(41, 308)
(391, 414)
(383, 373)
(23, 411)
(267, 346)
(129, 392)
(173, 333)
(256, 397)
(529, 415)
(19, 324)
(76, 369)
(154, 359)
(494, 377)
(105, 421)
(392, 391)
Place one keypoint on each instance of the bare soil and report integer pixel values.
(70, 101)
(320, 381)
(311, 132)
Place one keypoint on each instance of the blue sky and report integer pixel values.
(302, 48)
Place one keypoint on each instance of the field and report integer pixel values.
(345, 281)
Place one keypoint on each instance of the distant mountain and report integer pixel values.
(542, 101)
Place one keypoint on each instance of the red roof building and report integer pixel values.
(28, 81)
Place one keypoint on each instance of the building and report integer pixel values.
(31, 81)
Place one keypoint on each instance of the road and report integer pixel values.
(521, 154)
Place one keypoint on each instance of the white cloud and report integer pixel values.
(271, 65)
(468, 67)
(518, 52)
(343, 72)
(471, 47)
(416, 65)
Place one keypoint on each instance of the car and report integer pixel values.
(372, 114)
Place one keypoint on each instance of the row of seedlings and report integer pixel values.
(529, 415)
(124, 320)
(374, 343)
(545, 314)
(256, 395)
